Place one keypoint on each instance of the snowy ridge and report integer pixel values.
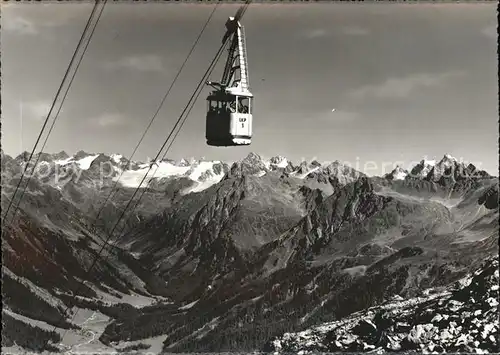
(397, 174)
(205, 173)
(132, 178)
(116, 157)
(278, 161)
(188, 306)
(83, 163)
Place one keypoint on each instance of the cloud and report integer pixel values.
(108, 120)
(403, 87)
(142, 63)
(315, 33)
(37, 110)
(346, 30)
(23, 20)
(19, 25)
(490, 31)
(355, 31)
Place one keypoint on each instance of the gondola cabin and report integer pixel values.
(229, 119)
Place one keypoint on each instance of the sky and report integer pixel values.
(407, 81)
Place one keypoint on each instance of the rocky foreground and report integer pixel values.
(459, 318)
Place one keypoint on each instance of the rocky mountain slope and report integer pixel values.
(223, 256)
(459, 318)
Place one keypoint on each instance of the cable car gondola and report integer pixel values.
(229, 106)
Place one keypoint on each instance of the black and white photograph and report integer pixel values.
(249, 177)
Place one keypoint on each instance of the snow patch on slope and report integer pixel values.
(278, 161)
(133, 178)
(64, 161)
(188, 306)
(200, 168)
(303, 176)
(83, 163)
(400, 174)
(204, 185)
(200, 172)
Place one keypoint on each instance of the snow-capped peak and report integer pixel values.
(426, 162)
(252, 164)
(198, 170)
(82, 154)
(398, 173)
(204, 174)
(82, 159)
(449, 157)
(306, 168)
(423, 168)
(447, 160)
(61, 155)
(252, 157)
(116, 158)
(278, 161)
(84, 163)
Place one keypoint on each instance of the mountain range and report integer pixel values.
(230, 256)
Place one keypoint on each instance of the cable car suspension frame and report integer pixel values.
(229, 112)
